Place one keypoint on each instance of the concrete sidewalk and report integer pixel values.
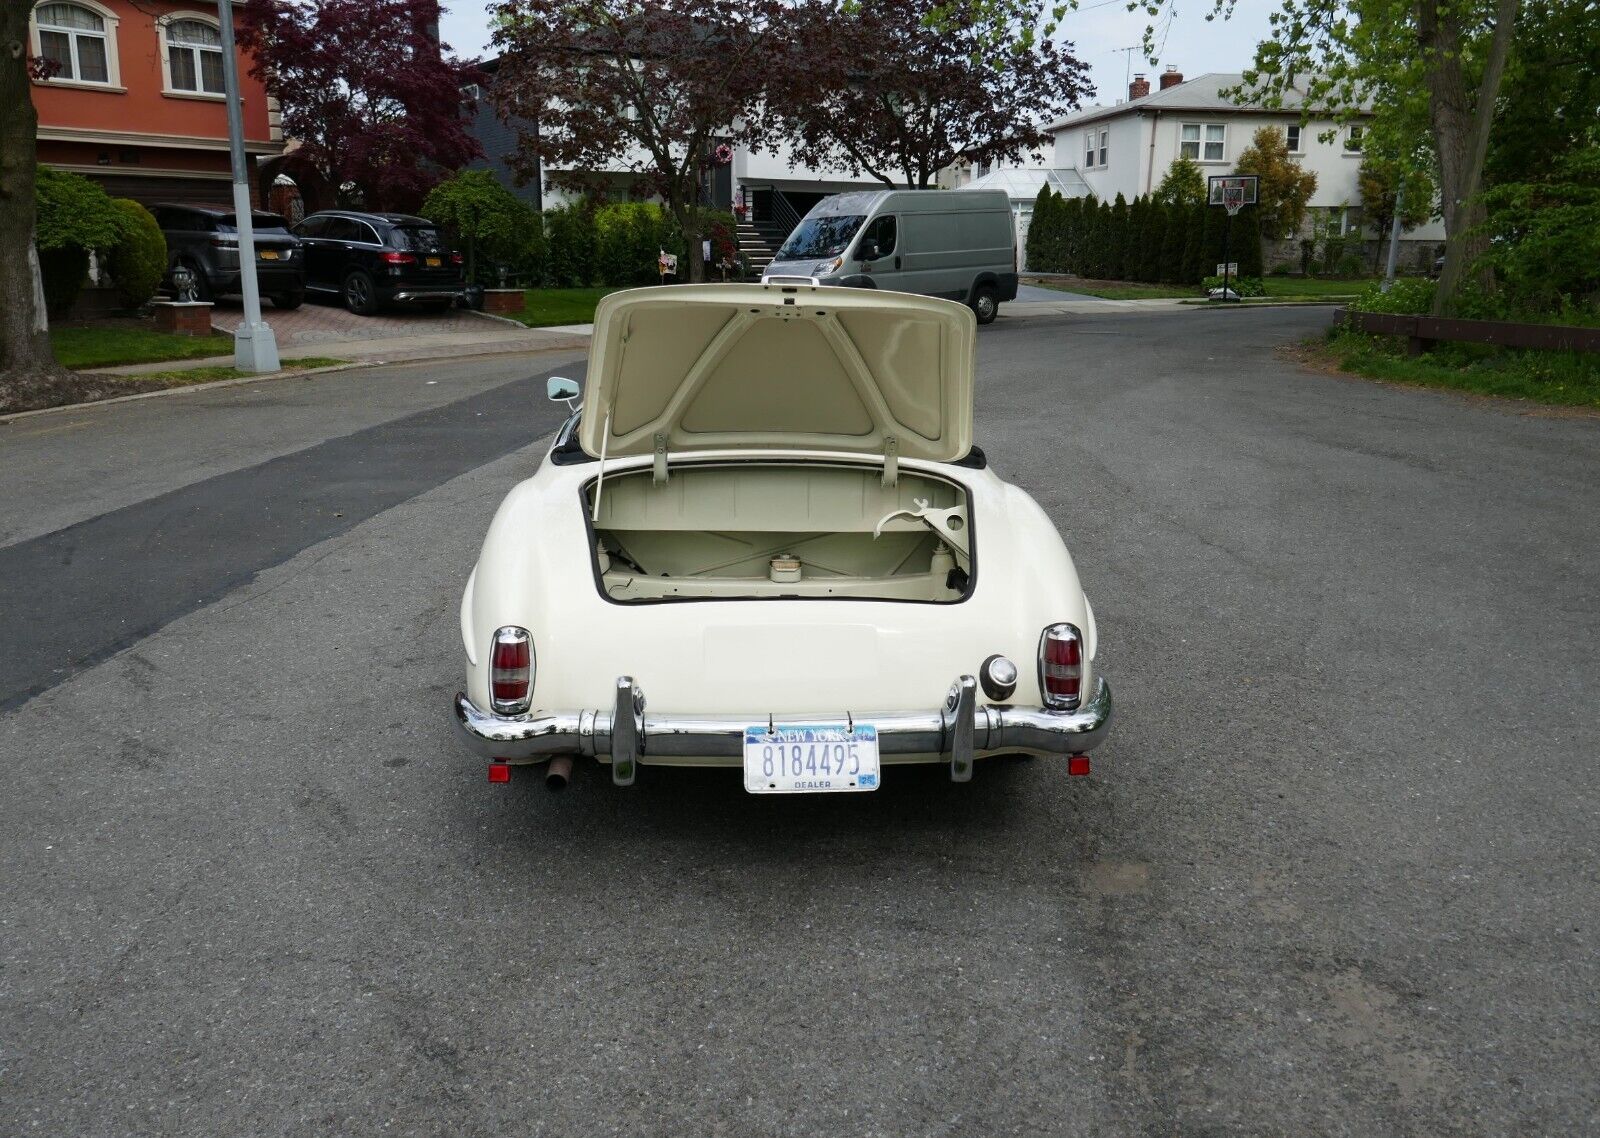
(495, 338)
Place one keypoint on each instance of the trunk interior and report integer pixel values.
(767, 530)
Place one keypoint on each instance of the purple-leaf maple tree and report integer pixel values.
(900, 89)
(369, 93)
(652, 87)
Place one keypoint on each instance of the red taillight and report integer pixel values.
(511, 670)
(499, 772)
(456, 258)
(392, 258)
(1077, 765)
(1061, 666)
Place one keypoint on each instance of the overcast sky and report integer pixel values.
(1192, 44)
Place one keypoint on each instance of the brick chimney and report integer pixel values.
(1139, 88)
(1171, 77)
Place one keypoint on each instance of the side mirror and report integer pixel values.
(868, 251)
(562, 390)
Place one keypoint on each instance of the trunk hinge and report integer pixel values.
(891, 460)
(660, 475)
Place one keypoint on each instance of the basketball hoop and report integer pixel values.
(1232, 192)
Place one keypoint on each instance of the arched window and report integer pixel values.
(194, 57)
(78, 41)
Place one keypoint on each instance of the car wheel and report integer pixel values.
(202, 286)
(985, 304)
(360, 295)
(289, 301)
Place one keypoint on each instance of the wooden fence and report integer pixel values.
(1423, 332)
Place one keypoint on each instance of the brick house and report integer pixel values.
(136, 103)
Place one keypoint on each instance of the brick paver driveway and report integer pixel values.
(313, 323)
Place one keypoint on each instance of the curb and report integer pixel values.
(213, 385)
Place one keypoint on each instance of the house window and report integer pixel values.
(1105, 138)
(1294, 139)
(1352, 139)
(194, 57)
(1088, 150)
(1202, 142)
(77, 41)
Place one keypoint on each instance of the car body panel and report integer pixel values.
(779, 367)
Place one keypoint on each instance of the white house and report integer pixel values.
(1127, 148)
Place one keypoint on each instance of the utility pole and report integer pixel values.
(255, 349)
(1394, 234)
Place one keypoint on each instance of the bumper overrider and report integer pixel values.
(957, 731)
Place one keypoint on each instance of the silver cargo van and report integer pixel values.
(961, 246)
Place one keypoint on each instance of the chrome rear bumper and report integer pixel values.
(957, 731)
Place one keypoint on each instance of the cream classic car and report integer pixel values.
(766, 541)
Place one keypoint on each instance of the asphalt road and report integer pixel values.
(1334, 872)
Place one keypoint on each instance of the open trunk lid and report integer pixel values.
(784, 367)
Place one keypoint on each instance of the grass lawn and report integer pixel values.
(543, 307)
(110, 343)
(1284, 288)
(1567, 379)
(183, 377)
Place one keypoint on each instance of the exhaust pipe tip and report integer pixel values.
(558, 773)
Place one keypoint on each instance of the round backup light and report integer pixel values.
(998, 676)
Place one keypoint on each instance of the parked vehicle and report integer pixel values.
(960, 246)
(369, 260)
(205, 240)
(766, 541)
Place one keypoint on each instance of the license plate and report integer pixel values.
(269, 254)
(810, 758)
(434, 262)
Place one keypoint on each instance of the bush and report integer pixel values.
(1243, 286)
(75, 216)
(139, 260)
(629, 237)
(499, 229)
(570, 262)
(1409, 296)
(64, 272)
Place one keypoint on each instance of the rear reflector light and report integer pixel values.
(456, 258)
(1061, 666)
(392, 258)
(499, 772)
(511, 670)
(1077, 765)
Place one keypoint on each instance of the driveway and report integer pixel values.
(324, 329)
(1333, 873)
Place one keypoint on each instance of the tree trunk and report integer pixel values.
(1461, 135)
(26, 361)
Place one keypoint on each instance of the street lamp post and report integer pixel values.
(255, 349)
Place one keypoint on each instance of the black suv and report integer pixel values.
(372, 259)
(205, 239)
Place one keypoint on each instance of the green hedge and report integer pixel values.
(139, 260)
(1141, 240)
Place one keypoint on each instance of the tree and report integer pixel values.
(1341, 55)
(1117, 241)
(27, 365)
(1379, 179)
(663, 88)
(1547, 235)
(491, 220)
(1284, 187)
(1068, 249)
(1152, 240)
(1182, 184)
(368, 92)
(1175, 243)
(900, 89)
(1040, 224)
